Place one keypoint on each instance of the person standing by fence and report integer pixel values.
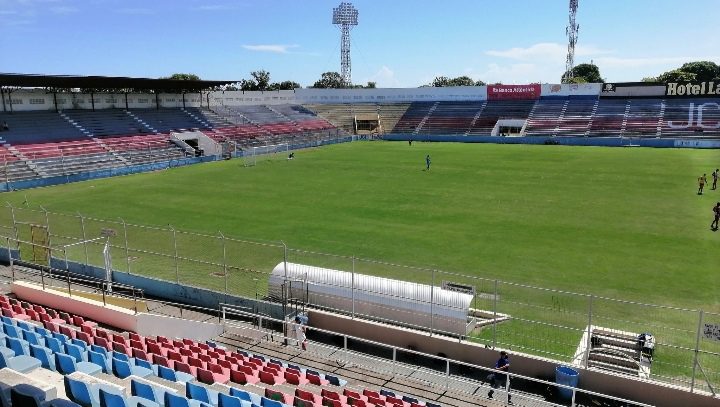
(499, 379)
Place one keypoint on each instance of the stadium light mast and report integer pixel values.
(572, 33)
(346, 17)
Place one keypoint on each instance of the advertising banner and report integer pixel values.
(570, 89)
(632, 89)
(510, 92)
(688, 89)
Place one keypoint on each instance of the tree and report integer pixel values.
(677, 75)
(443, 81)
(284, 85)
(330, 80)
(704, 71)
(261, 79)
(589, 72)
(371, 85)
(183, 77)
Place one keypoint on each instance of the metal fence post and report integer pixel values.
(47, 223)
(127, 249)
(352, 289)
(15, 228)
(82, 225)
(177, 267)
(285, 255)
(697, 350)
(432, 303)
(10, 259)
(495, 296)
(588, 342)
(225, 270)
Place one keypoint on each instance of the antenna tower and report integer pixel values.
(572, 33)
(345, 16)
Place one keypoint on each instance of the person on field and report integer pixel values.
(715, 176)
(427, 162)
(498, 380)
(716, 211)
(701, 183)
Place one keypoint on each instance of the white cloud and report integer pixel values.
(545, 51)
(276, 48)
(64, 10)
(215, 7)
(385, 78)
(618, 62)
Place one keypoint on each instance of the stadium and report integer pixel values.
(186, 242)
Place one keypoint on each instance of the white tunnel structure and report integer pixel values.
(393, 301)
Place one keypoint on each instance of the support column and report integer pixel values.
(126, 102)
(2, 96)
(92, 100)
(157, 100)
(183, 98)
(55, 101)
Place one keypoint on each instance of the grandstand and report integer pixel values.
(54, 145)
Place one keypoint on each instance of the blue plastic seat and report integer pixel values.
(44, 355)
(66, 364)
(55, 345)
(99, 349)
(120, 356)
(124, 369)
(12, 331)
(144, 363)
(169, 374)
(335, 380)
(6, 320)
(76, 352)
(60, 403)
(111, 399)
(79, 392)
(22, 364)
(100, 360)
(80, 343)
(175, 400)
(144, 390)
(33, 338)
(201, 393)
(24, 325)
(225, 400)
(61, 337)
(266, 402)
(246, 395)
(26, 395)
(42, 331)
(19, 346)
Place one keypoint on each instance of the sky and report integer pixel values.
(397, 43)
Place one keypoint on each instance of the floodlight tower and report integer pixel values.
(572, 33)
(346, 17)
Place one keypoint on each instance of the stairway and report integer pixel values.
(476, 117)
(623, 126)
(27, 161)
(560, 118)
(425, 119)
(197, 119)
(592, 116)
(280, 114)
(142, 122)
(74, 123)
(661, 119)
(111, 151)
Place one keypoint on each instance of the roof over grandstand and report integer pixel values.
(105, 82)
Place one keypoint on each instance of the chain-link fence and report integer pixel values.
(579, 329)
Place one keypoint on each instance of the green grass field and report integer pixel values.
(617, 222)
(621, 223)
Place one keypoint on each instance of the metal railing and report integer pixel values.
(540, 321)
(444, 377)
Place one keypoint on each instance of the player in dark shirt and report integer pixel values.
(715, 176)
(716, 210)
(498, 379)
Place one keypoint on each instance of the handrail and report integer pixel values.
(232, 310)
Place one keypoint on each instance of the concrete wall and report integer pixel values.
(151, 325)
(540, 368)
(37, 99)
(107, 314)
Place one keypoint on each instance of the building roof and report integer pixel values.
(105, 82)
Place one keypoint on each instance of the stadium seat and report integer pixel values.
(44, 355)
(174, 400)
(225, 400)
(79, 392)
(66, 364)
(246, 396)
(112, 399)
(60, 403)
(22, 363)
(123, 369)
(101, 360)
(25, 395)
(201, 393)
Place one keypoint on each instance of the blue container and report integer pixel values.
(568, 377)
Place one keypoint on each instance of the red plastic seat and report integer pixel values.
(161, 360)
(356, 402)
(140, 354)
(186, 368)
(83, 336)
(309, 396)
(67, 331)
(316, 380)
(100, 341)
(278, 396)
(80, 321)
(269, 378)
(156, 349)
(331, 402)
(237, 376)
(208, 377)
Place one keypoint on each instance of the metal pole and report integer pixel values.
(588, 342)
(352, 289)
(432, 303)
(697, 349)
(82, 225)
(12, 267)
(225, 270)
(127, 249)
(285, 256)
(495, 296)
(15, 228)
(177, 267)
(67, 272)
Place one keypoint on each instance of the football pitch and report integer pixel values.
(618, 222)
